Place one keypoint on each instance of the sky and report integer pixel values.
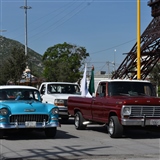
(106, 28)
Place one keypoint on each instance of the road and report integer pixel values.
(90, 144)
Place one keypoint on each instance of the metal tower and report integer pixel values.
(150, 49)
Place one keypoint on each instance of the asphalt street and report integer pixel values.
(90, 144)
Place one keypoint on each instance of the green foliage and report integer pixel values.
(63, 61)
(14, 66)
(158, 91)
(155, 76)
(34, 59)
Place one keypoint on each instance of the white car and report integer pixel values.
(57, 93)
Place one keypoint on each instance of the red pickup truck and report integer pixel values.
(118, 104)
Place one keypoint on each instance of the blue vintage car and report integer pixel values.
(21, 108)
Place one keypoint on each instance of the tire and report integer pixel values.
(50, 132)
(115, 129)
(78, 121)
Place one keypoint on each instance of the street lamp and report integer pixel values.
(3, 30)
(25, 7)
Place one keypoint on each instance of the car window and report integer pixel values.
(63, 89)
(131, 88)
(19, 94)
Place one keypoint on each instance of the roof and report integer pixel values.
(123, 80)
(59, 83)
(17, 86)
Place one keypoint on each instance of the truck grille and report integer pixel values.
(32, 117)
(150, 111)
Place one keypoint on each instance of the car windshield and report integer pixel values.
(131, 88)
(63, 88)
(19, 94)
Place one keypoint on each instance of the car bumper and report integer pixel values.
(140, 122)
(30, 125)
(63, 111)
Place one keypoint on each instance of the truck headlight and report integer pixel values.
(126, 110)
(59, 102)
(55, 111)
(3, 111)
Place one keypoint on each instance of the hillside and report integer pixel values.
(35, 59)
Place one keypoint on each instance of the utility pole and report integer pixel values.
(114, 63)
(108, 68)
(25, 7)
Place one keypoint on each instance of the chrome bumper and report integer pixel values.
(140, 122)
(63, 111)
(38, 125)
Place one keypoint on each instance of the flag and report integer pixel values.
(84, 89)
(91, 88)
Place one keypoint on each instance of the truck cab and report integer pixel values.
(121, 87)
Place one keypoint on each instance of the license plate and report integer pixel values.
(155, 122)
(30, 124)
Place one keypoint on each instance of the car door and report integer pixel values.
(99, 110)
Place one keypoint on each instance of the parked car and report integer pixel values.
(57, 93)
(21, 108)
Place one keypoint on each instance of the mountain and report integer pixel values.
(35, 59)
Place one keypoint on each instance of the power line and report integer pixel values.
(63, 18)
(113, 47)
(53, 17)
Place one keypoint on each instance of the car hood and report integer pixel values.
(25, 107)
(63, 96)
(139, 100)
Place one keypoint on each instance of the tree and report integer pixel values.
(15, 65)
(62, 62)
(155, 76)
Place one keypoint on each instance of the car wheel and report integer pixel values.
(115, 129)
(78, 121)
(50, 132)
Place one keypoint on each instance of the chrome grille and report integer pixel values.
(28, 117)
(150, 111)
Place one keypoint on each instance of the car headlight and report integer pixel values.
(3, 111)
(55, 111)
(59, 102)
(126, 110)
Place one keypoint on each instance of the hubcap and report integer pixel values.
(76, 120)
(111, 127)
